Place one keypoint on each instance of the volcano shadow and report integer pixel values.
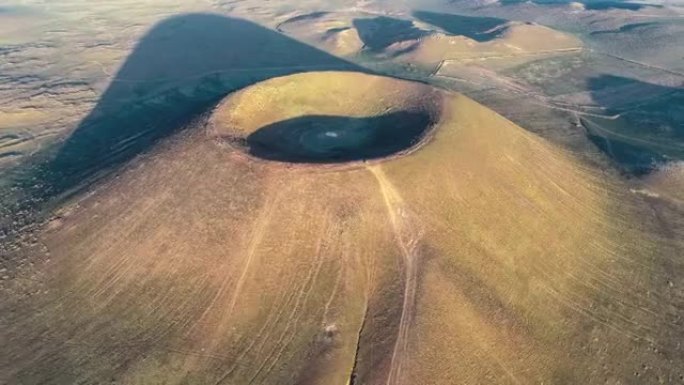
(177, 71)
(335, 139)
(627, 28)
(380, 32)
(650, 126)
(304, 17)
(480, 29)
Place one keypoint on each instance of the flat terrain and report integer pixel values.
(341, 192)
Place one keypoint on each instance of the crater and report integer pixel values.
(326, 139)
(328, 117)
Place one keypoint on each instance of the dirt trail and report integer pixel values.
(407, 235)
(255, 239)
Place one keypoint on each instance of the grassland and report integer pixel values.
(478, 251)
(428, 38)
(486, 255)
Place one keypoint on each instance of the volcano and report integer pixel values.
(336, 227)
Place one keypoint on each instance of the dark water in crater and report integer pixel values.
(333, 139)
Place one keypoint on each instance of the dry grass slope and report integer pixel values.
(519, 42)
(487, 255)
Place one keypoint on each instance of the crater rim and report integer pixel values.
(359, 118)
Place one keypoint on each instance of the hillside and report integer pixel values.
(475, 252)
(428, 38)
